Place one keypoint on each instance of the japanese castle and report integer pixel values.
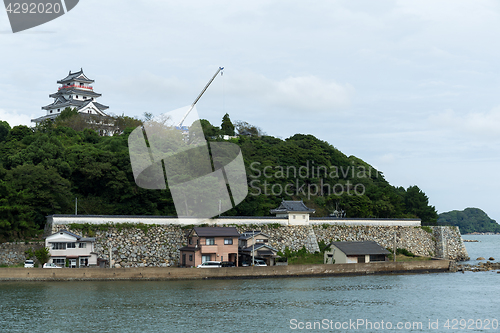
(75, 92)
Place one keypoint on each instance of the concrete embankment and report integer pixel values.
(170, 273)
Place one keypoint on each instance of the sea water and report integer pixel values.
(441, 302)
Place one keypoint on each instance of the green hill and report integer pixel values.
(469, 220)
(43, 170)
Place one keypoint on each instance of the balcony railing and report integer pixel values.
(75, 86)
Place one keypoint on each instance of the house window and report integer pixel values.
(228, 241)
(261, 240)
(82, 245)
(190, 241)
(71, 246)
(190, 257)
(303, 217)
(84, 262)
(294, 217)
(209, 241)
(205, 258)
(58, 246)
(59, 261)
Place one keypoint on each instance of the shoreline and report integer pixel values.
(175, 273)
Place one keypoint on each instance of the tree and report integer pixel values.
(227, 126)
(208, 129)
(4, 130)
(245, 128)
(417, 204)
(19, 133)
(43, 255)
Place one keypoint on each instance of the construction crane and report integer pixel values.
(179, 126)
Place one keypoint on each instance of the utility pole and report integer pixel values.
(76, 206)
(253, 247)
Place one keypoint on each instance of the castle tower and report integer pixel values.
(75, 92)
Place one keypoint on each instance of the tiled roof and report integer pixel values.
(250, 234)
(360, 248)
(292, 206)
(67, 233)
(216, 231)
(258, 246)
(74, 77)
(75, 91)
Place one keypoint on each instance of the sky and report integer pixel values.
(410, 87)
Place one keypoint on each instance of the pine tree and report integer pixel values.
(227, 126)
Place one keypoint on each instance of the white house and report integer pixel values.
(296, 211)
(65, 245)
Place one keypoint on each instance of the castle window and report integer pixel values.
(76, 96)
(50, 111)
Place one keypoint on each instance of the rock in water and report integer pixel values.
(480, 258)
(491, 258)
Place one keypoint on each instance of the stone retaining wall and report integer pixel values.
(14, 253)
(157, 245)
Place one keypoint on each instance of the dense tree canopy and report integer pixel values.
(469, 220)
(43, 171)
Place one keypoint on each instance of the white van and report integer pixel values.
(259, 262)
(29, 264)
(209, 264)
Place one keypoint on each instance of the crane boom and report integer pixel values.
(199, 96)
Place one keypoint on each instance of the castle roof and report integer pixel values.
(292, 207)
(62, 102)
(77, 76)
(76, 91)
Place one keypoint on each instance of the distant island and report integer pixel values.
(469, 220)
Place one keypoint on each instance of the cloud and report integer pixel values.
(300, 93)
(474, 123)
(14, 118)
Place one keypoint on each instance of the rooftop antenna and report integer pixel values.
(199, 96)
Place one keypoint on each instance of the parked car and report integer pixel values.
(227, 264)
(50, 265)
(29, 264)
(259, 262)
(245, 264)
(209, 264)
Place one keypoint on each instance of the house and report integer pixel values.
(296, 211)
(210, 244)
(67, 247)
(355, 252)
(255, 244)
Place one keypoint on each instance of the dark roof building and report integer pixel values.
(355, 252)
(292, 207)
(215, 232)
(75, 92)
